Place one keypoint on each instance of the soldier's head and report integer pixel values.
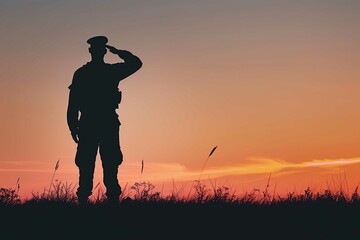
(97, 47)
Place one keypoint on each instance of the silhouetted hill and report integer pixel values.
(169, 220)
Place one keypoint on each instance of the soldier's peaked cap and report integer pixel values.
(97, 41)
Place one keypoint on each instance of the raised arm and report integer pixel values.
(131, 62)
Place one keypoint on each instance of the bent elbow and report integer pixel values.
(139, 63)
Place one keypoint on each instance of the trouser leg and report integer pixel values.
(113, 189)
(111, 157)
(86, 175)
(85, 160)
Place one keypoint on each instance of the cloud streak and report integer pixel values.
(254, 165)
(269, 165)
(165, 171)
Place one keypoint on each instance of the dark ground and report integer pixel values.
(156, 220)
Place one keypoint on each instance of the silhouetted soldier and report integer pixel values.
(94, 93)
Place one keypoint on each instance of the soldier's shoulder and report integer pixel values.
(81, 69)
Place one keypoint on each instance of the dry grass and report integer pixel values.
(213, 212)
(146, 192)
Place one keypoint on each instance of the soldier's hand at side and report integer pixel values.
(112, 49)
(74, 136)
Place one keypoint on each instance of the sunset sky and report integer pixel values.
(274, 84)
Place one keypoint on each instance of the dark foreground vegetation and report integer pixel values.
(206, 214)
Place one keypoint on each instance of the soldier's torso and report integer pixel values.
(98, 94)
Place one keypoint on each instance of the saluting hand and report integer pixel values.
(112, 49)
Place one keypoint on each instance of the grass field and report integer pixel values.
(209, 213)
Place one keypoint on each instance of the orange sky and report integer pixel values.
(273, 83)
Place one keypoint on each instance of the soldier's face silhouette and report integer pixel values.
(97, 53)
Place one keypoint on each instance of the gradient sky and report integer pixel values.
(274, 84)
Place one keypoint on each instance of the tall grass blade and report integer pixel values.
(212, 151)
(52, 179)
(18, 185)
(97, 185)
(57, 165)
(142, 166)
